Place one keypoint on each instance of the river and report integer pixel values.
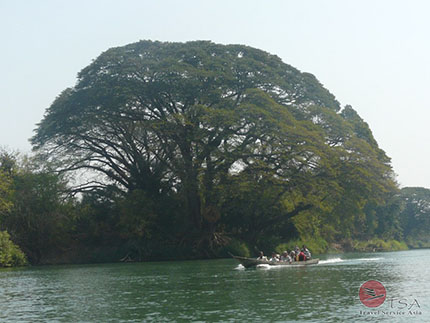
(220, 291)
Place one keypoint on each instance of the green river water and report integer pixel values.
(220, 291)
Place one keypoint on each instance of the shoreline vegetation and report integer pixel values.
(12, 256)
(192, 150)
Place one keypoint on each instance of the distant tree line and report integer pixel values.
(191, 150)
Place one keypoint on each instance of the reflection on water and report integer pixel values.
(218, 290)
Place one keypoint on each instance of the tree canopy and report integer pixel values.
(228, 138)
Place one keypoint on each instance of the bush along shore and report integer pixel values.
(10, 254)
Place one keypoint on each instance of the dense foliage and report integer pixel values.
(415, 216)
(10, 254)
(182, 150)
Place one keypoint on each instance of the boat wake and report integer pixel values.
(267, 266)
(339, 260)
(368, 259)
(331, 261)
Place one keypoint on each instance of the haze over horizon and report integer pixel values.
(371, 55)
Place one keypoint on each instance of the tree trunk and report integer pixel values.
(194, 204)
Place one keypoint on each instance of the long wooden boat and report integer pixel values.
(252, 262)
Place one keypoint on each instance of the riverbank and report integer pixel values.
(372, 245)
(90, 255)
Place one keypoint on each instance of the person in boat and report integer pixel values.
(285, 256)
(292, 255)
(262, 256)
(307, 252)
(301, 256)
(296, 253)
(275, 257)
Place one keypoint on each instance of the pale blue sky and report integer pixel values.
(372, 54)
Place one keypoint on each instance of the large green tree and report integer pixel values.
(210, 126)
(162, 116)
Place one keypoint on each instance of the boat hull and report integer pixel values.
(252, 262)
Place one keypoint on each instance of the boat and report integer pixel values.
(253, 262)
